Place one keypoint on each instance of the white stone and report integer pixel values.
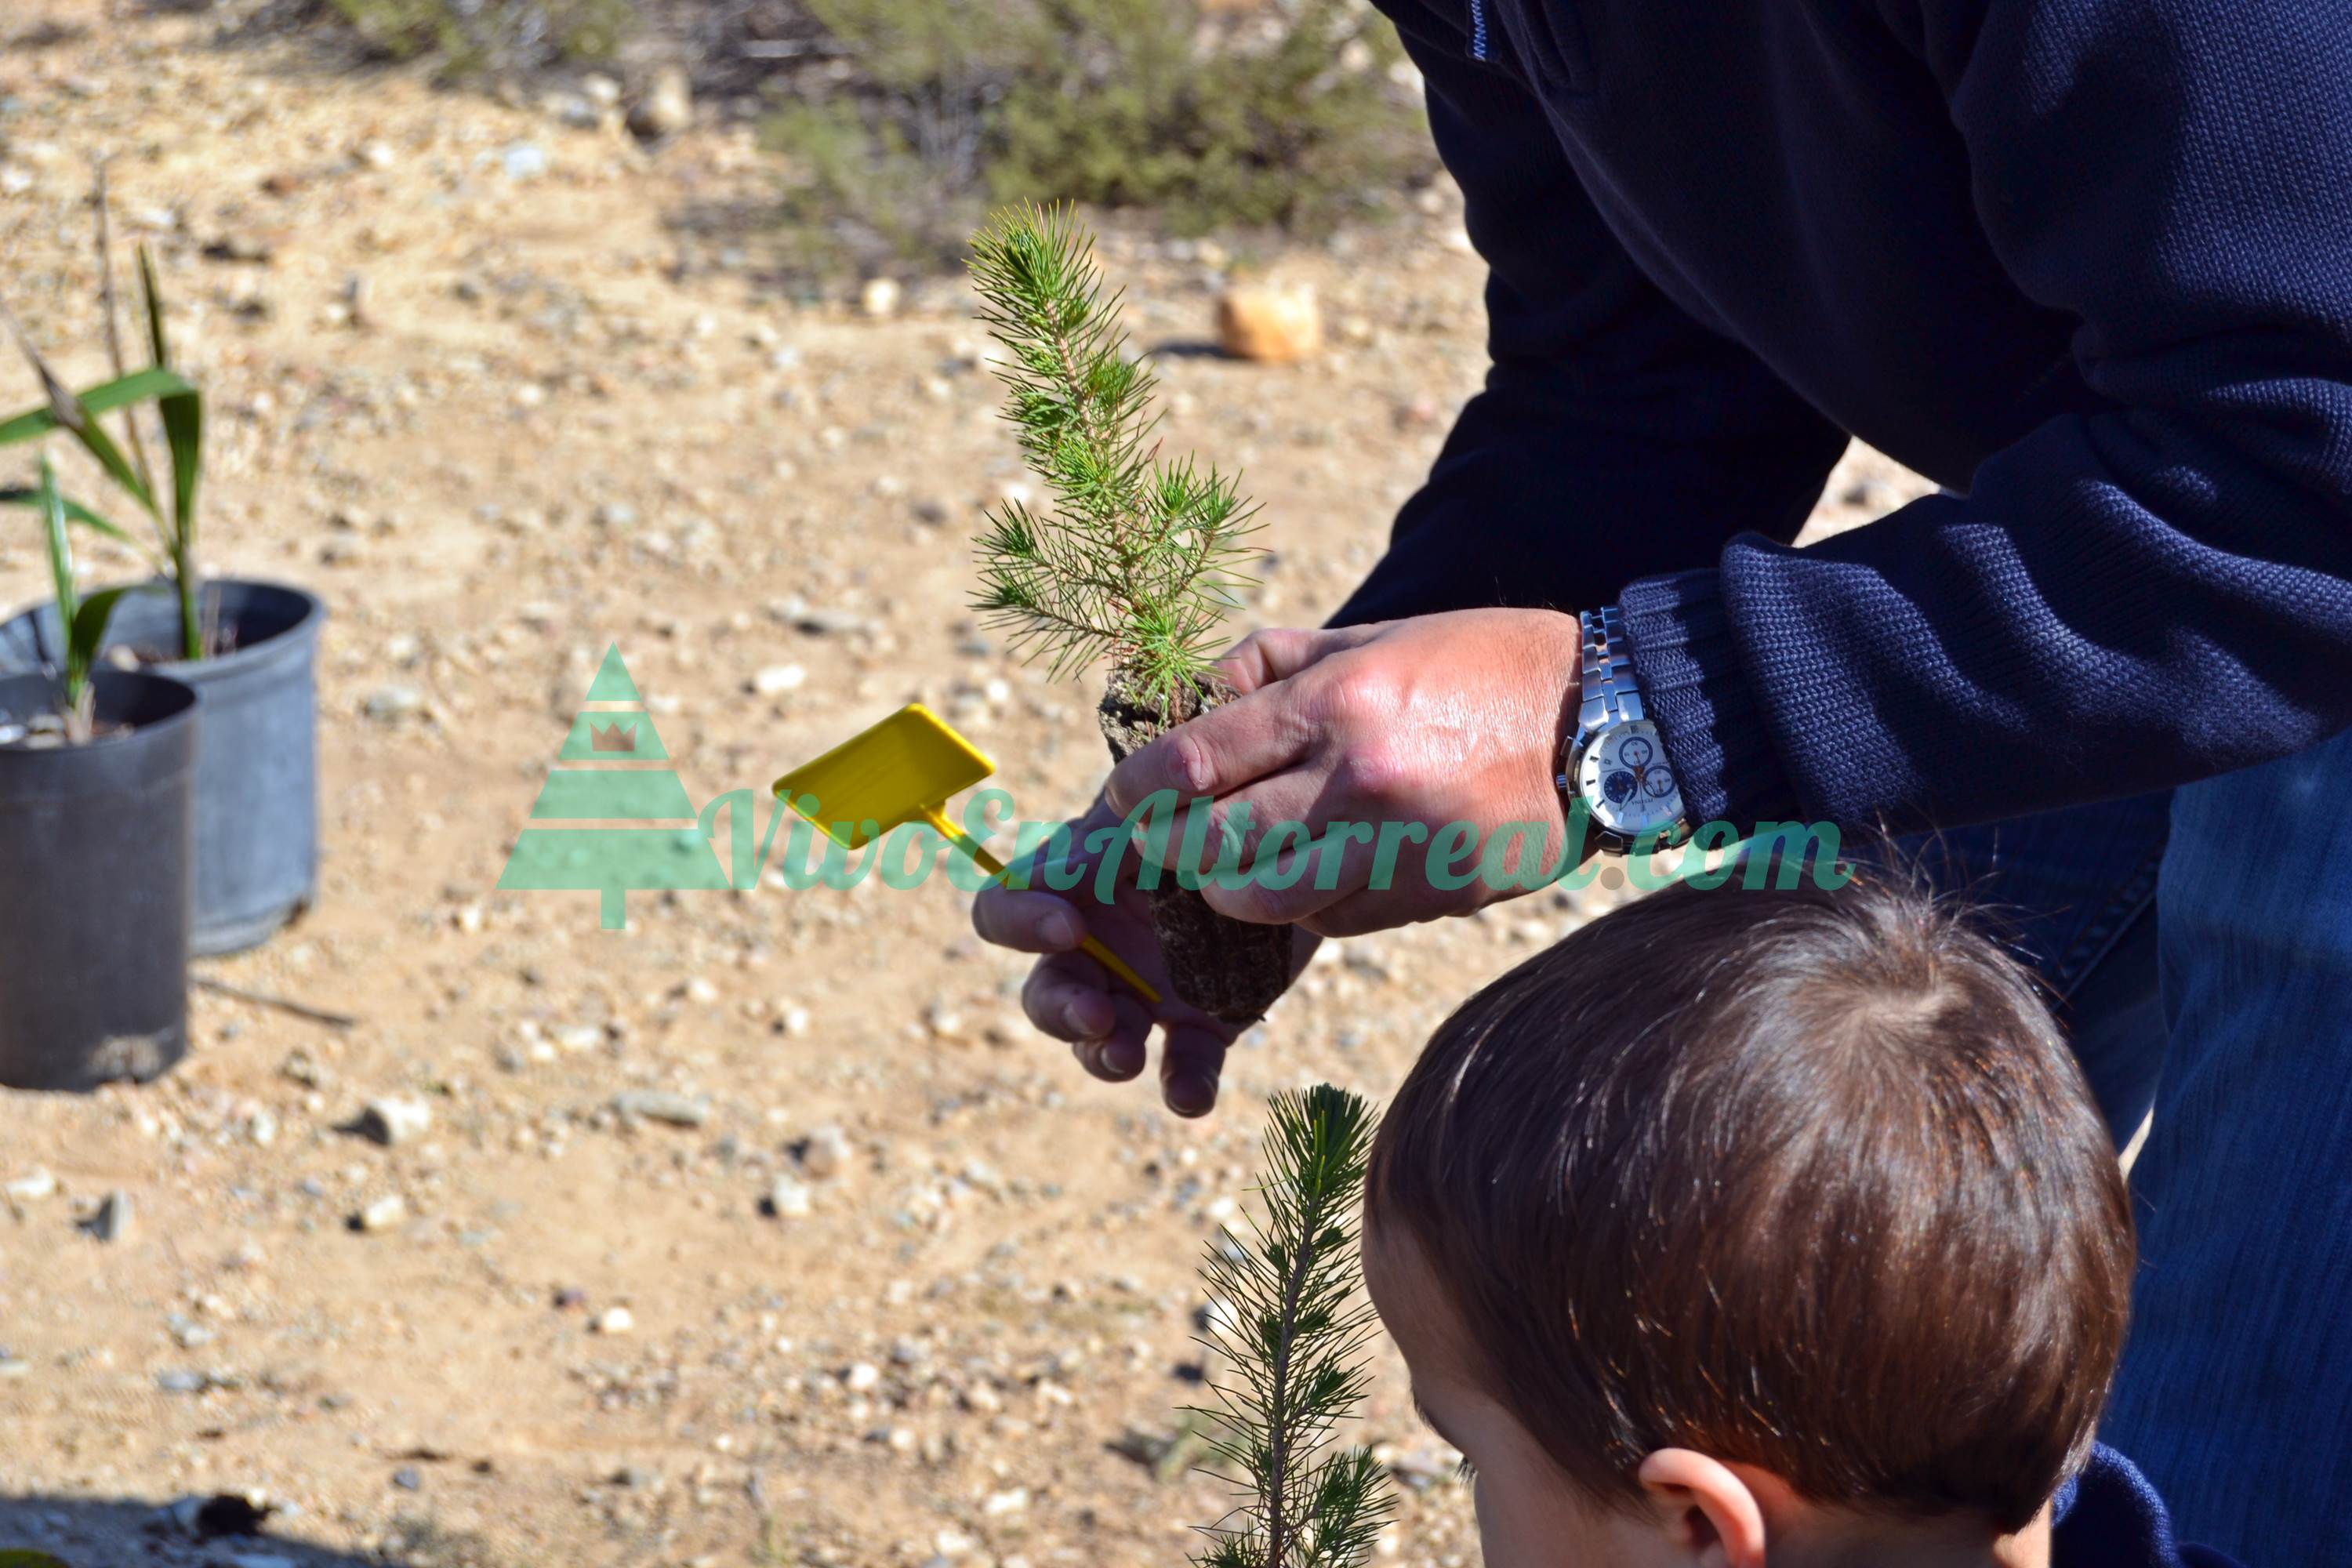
(384, 1213)
(391, 1120)
(788, 1198)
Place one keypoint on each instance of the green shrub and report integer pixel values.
(1286, 118)
(489, 35)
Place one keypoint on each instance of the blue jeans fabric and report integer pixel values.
(2236, 1392)
(2203, 947)
(2074, 892)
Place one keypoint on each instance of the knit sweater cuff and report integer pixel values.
(1698, 693)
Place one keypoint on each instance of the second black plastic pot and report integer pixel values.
(257, 773)
(97, 883)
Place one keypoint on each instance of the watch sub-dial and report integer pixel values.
(1636, 751)
(1658, 785)
(1618, 786)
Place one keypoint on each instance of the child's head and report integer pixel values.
(1744, 1216)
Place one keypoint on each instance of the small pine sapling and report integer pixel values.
(1291, 1325)
(1135, 563)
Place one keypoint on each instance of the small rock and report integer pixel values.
(667, 108)
(1872, 495)
(879, 297)
(661, 1105)
(576, 110)
(251, 249)
(826, 1152)
(788, 1198)
(601, 90)
(817, 620)
(778, 678)
(524, 160)
(382, 1214)
(390, 704)
(213, 1518)
(408, 1479)
(615, 1321)
(391, 1121)
(32, 1187)
(111, 1222)
(1270, 324)
(863, 1377)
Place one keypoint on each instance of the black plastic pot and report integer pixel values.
(96, 882)
(258, 774)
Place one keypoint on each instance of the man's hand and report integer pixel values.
(1404, 728)
(1070, 997)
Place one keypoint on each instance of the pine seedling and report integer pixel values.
(1291, 1327)
(1136, 559)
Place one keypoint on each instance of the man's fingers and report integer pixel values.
(1119, 1054)
(1219, 751)
(1232, 831)
(1190, 1064)
(1277, 653)
(1295, 884)
(1026, 921)
(1069, 998)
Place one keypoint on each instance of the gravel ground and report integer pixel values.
(765, 1232)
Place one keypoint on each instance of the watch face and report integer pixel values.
(1623, 775)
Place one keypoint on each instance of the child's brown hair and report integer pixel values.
(1802, 1179)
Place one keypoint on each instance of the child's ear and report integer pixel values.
(1712, 1517)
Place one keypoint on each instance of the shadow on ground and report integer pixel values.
(82, 1532)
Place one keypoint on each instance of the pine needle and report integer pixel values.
(1290, 1321)
(1136, 559)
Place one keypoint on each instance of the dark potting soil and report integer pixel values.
(1233, 970)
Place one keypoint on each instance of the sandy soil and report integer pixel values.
(506, 392)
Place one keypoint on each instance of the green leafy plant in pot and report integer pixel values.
(1135, 562)
(97, 819)
(249, 647)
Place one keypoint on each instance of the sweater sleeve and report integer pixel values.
(2152, 589)
(1616, 436)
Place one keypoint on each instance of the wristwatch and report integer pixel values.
(1614, 761)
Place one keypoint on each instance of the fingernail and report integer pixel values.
(1124, 1056)
(1191, 1096)
(1061, 931)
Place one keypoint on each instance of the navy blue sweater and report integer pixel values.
(2087, 261)
(2109, 1517)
